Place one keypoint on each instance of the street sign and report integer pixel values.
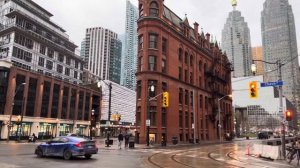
(147, 122)
(268, 84)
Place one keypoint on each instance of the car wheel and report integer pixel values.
(67, 155)
(88, 156)
(39, 153)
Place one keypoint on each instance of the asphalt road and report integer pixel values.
(14, 155)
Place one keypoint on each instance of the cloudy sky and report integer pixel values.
(77, 15)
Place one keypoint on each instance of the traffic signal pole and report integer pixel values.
(281, 109)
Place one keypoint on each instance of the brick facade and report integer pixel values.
(168, 45)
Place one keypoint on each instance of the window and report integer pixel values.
(152, 41)
(186, 75)
(140, 63)
(68, 61)
(141, 42)
(186, 97)
(59, 68)
(180, 95)
(60, 57)
(163, 66)
(75, 74)
(21, 54)
(191, 77)
(141, 10)
(200, 66)
(180, 54)
(164, 46)
(186, 119)
(138, 116)
(153, 115)
(200, 81)
(41, 61)
(192, 98)
(67, 71)
(180, 119)
(163, 117)
(191, 60)
(76, 64)
(186, 57)
(42, 49)
(164, 86)
(179, 73)
(152, 83)
(201, 101)
(139, 89)
(50, 53)
(206, 102)
(152, 63)
(153, 9)
(49, 64)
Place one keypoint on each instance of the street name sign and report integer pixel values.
(268, 84)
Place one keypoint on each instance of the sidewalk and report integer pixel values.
(101, 144)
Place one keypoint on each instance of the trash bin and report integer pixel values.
(131, 142)
(174, 140)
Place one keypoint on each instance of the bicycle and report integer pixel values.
(291, 154)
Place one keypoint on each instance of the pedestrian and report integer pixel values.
(126, 140)
(120, 138)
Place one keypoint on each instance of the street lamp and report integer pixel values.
(219, 109)
(109, 107)
(11, 113)
(150, 89)
(279, 65)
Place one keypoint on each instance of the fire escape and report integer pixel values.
(215, 79)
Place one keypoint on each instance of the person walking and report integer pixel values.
(126, 140)
(120, 138)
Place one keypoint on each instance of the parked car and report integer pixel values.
(67, 147)
(276, 135)
(263, 135)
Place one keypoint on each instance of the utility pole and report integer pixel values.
(281, 109)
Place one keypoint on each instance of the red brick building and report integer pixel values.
(175, 57)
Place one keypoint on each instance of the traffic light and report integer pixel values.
(165, 102)
(288, 115)
(93, 119)
(253, 89)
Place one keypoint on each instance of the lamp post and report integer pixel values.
(11, 113)
(150, 89)
(219, 109)
(109, 108)
(279, 65)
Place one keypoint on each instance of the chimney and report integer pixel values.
(196, 28)
(207, 37)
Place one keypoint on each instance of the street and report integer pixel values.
(203, 155)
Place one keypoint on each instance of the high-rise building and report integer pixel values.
(115, 61)
(130, 52)
(54, 55)
(175, 57)
(258, 55)
(39, 75)
(82, 49)
(101, 50)
(279, 43)
(237, 44)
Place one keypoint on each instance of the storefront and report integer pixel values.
(23, 130)
(65, 129)
(46, 131)
(80, 130)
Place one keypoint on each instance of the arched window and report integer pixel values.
(141, 10)
(180, 54)
(153, 9)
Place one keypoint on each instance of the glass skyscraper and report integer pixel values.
(129, 62)
(279, 43)
(237, 44)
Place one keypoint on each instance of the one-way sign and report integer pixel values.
(268, 84)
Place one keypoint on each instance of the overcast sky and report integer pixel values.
(77, 15)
